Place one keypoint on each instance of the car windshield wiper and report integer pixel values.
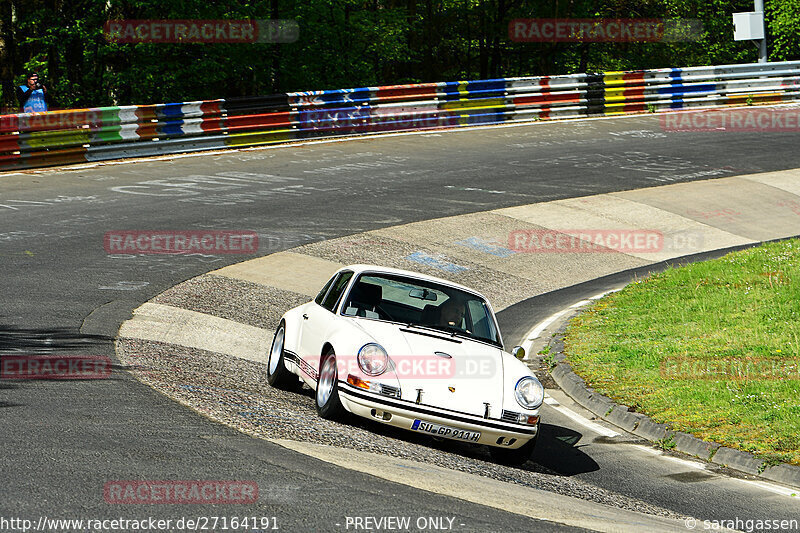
(415, 325)
(438, 329)
(456, 332)
(453, 331)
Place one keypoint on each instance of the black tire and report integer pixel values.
(326, 397)
(277, 374)
(515, 457)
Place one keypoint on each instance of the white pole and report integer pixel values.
(762, 46)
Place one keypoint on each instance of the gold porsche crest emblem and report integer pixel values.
(451, 389)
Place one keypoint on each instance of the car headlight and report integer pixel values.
(529, 392)
(372, 359)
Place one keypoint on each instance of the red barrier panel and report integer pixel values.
(55, 157)
(9, 123)
(635, 93)
(9, 143)
(572, 97)
(419, 91)
(11, 162)
(249, 122)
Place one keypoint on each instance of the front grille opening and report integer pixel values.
(388, 390)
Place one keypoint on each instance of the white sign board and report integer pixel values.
(748, 26)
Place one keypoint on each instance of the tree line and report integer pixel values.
(346, 43)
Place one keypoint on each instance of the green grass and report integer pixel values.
(711, 348)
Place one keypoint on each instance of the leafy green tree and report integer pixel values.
(347, 43)
(783, 29)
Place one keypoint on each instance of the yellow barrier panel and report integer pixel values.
(259, 137)
(49, 139)
(467, 105)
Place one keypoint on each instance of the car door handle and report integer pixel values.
(305, 316)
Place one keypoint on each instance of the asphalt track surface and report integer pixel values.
(61, 293)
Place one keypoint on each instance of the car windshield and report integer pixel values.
(421, 303)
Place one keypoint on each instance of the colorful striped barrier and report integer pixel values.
(96, 134)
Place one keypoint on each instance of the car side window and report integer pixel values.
(330, 301)
(324, 290)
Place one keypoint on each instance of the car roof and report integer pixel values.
(359, 268)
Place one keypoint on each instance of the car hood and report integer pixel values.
(439, 369)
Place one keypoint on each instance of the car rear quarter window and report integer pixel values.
(337, 288)
(325, 289)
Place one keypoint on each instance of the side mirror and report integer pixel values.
(518, 352)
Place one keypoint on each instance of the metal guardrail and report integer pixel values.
(33, 140)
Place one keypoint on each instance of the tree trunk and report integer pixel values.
(275, 82)
(9, 103)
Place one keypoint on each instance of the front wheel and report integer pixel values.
(277, 374)
(515, 457)
(327, 396)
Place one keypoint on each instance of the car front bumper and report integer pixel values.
(404, 414)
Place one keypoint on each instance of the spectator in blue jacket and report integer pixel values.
(32, 96)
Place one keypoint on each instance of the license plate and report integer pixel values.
(446, 432)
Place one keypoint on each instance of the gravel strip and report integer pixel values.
(370, 248)
(235, 392)
(241, 301)
(549, 270)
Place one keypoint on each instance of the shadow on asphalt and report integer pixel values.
(558, 451)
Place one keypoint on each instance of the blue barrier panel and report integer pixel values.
(327, 119)
(452, 90)
(487, 88)
(678, 90)
(170, 110)
(171, 128)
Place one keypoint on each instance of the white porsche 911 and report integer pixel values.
(412, 351)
